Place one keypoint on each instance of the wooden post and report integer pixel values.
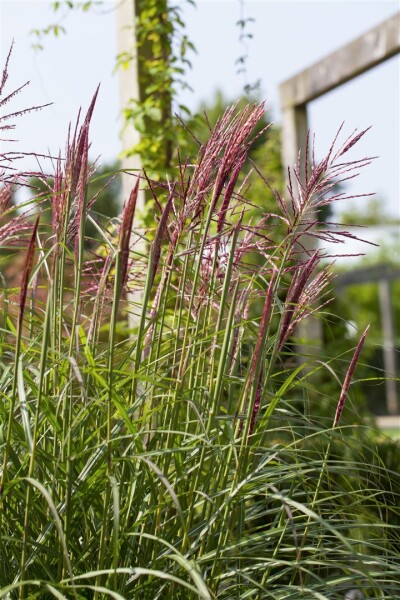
(294, 139)
(389, 351)
(294, 133)
(130, 137)
(382, 275)
(136, 79)
(129, 91)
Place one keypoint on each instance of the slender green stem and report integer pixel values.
(37, 422)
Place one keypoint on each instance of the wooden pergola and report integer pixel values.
(348, 62)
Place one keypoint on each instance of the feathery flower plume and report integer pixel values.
(347, 379)
(265, 320)
(125, 232)
(229, 192)
(257, 403)
(27, 271)
(313, 190)
(5, 197)
(160, 233)
(77, 170)
(298, 283)
(56, 202)
(8, 157)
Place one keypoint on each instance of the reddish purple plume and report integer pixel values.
(126, 231)
(257, 403)
(298, 284)
(27, 270)
(349, 375)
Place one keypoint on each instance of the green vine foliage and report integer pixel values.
(163, 49)
(56, 29)
(245, 35)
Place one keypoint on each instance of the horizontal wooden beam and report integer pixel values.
(360, 55)
(372, 274)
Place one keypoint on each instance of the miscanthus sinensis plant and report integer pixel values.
(187, 458)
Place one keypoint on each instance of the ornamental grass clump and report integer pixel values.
(185, 458)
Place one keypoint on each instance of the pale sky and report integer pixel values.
(288, 37)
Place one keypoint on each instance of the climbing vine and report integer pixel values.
(245, 35)
(57, 28)
(163, 58)
(163, 49)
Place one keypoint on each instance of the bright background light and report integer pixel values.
(287, 37)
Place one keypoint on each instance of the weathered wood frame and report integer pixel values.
(348, 62)
(383, 275)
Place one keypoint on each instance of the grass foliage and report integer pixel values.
(188, 459)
